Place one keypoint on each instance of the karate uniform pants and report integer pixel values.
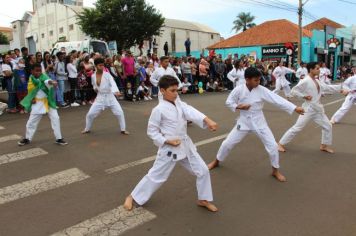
(236, 136)
(35, 119)
(346, 106)
(320, 118)
(162, 168)
(97, 108)
(286, 88)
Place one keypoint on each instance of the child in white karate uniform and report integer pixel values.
(311, 90)
(106, 88)
(249, 99)
(167, 127)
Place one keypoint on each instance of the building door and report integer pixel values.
(31, 45)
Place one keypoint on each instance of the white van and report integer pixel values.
(89, 45)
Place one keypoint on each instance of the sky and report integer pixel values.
(218, 14)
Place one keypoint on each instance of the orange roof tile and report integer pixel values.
(267, 33)
(321, 23)
(5, 29)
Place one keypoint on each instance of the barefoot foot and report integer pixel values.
(128, 204)
(281, 148)
(276, 174)
(85, 131)
(325, 148)
(208, 205)
(213, 164)
(125, 132)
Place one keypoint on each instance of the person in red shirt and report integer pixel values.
(129, 71)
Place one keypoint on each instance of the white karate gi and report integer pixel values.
(350, 86)
(324, 75)
(158, 73)
(314, 110)
(105, 99)
(281, 82)
(253, 120)
(169, 121)
(301, 72)
(237, 76)
(38, 110)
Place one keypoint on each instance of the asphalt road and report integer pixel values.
(47, 188)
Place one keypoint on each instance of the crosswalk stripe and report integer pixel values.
(9, 138)
(113, 222)
(42, 184)
(152, 158)
(17, 156)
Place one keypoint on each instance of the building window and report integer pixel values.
(71, 27)
(51, 33)
(42, 35)
(212, 36)
(61, 30)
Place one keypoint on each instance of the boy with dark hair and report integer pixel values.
(249, 98)
(311, 90)
(167, 127)
(40, 101)
(106, 88)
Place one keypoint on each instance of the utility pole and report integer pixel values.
(300, 31)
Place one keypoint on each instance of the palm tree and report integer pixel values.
(243, 21)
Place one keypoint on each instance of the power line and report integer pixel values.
(345, 1)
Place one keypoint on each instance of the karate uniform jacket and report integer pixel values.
(169, 121)
(280, 74)
(237, 76)
(254, 119)
(307, 87)
(106, 90)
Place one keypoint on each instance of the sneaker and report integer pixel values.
(23, 142)
(64, 105)
(74, 104)
(146, 99)
(61, 142)
(149, 98)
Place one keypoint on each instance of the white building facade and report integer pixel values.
(51, 23)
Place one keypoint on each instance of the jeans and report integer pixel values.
(11, 102)
(60, 92)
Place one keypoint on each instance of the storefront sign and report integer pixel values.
(273, 51)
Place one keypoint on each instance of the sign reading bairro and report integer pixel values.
(273, 51)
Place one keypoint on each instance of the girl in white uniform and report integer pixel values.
(106, 89)
(311, 90)
(167, 127)
(237, 75)
(249, 99)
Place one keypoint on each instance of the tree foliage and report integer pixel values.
(128, 22)
(3, 39)
(243, 21)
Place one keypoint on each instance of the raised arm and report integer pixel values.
(328, 88)
(278, 101)
(192, 114)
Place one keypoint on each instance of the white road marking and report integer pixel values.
(9, 138)
(113, 223)
(42, 184)
(1, 127)
(336, 101)
(17, 156)
(152, 158)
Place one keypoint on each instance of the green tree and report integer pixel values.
(243, 21)
(3, 39)
(128, 22)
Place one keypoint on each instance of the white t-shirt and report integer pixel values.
(5, 67)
